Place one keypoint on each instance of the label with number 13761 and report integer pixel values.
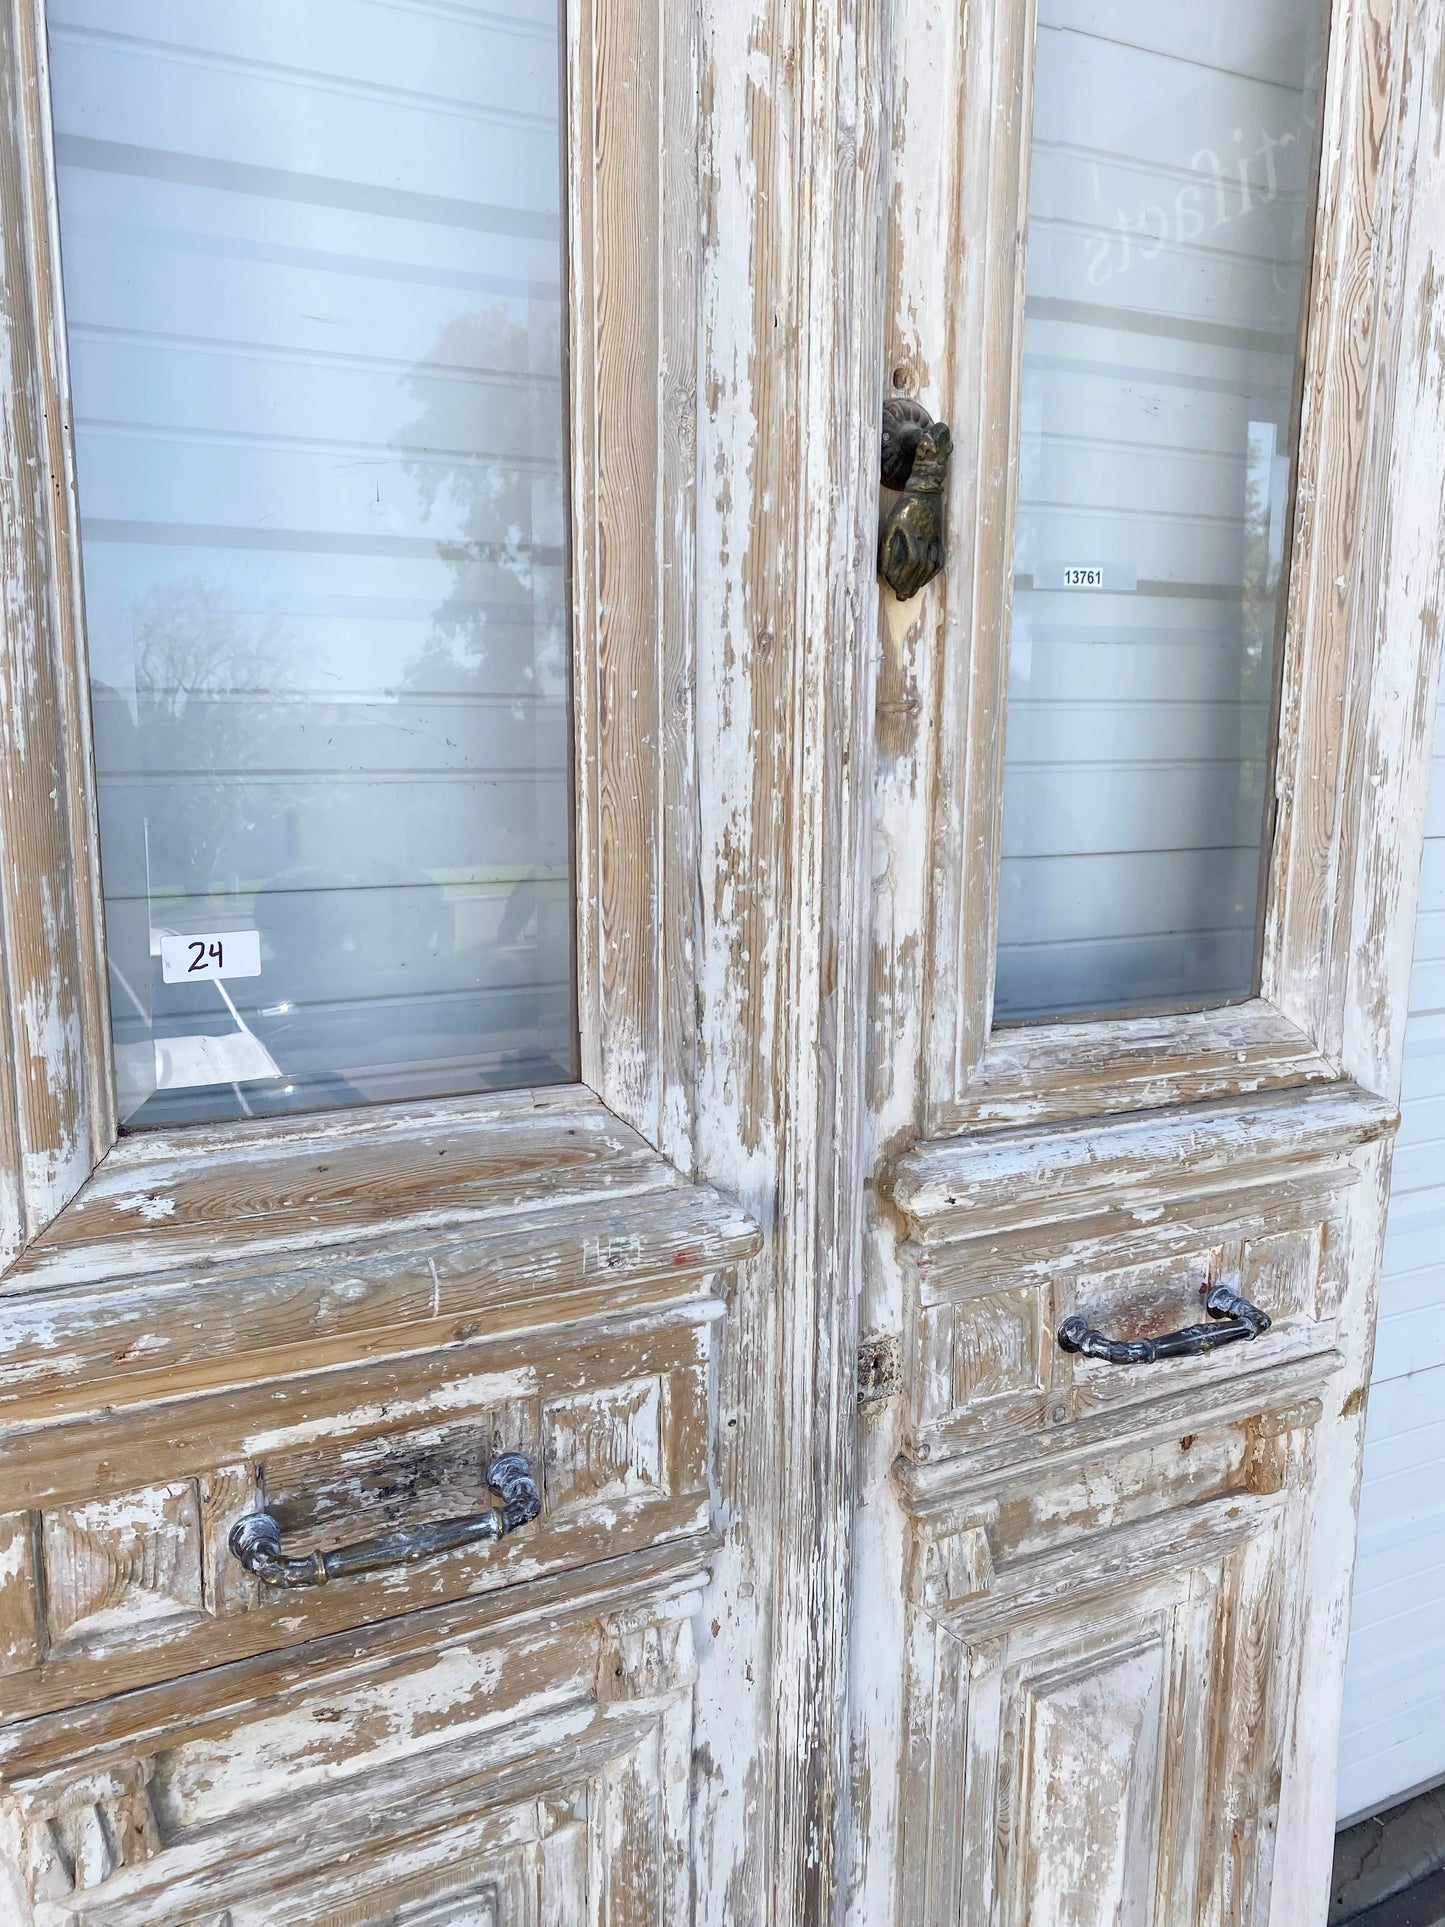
(204, 958)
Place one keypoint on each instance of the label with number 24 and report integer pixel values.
(205, 956)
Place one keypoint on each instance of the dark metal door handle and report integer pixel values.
(256, 1539)
(1238, 1319)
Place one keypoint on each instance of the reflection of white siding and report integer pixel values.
(312, 273)
(1393, 1737)
(1167, 242)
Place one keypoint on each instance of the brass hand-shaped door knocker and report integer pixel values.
(916, 449)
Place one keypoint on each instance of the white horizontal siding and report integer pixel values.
(1393, 1735)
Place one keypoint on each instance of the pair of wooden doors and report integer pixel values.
(847, 1590)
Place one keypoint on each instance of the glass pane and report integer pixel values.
(311, 259)
(1170, 215)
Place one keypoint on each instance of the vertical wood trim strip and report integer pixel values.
(69, 601)
(984, 357)
(1324, 678)
(1401, 599)
(613, 174)
(581, 329)
(675, 28)
(791, 382)
(840, 225)
(56, 1115)
(633, 333)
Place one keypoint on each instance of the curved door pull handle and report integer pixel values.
(916, 450)
(256, 1539)
(1237, 1319)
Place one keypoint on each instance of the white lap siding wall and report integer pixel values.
(1393, 1737)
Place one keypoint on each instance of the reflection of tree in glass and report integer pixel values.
(485, 449)
(209, 693)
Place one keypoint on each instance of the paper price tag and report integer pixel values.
(1110, 576)
(203, 958)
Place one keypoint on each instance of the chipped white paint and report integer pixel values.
(478, 1390)
(14, 1557)
(148, 1206)
(620, 1253)
(218, 1291)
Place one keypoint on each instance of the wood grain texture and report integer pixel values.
(450, 1277)
(56, 1113)
(162, 1201)
(978, 1186)
(450, 1775)
(1398, 609)
(49, 1744)
(115, 1567)
(1067, 1070)
(1325, 675)
(19, 1638)
(790, 382)
(633, 283)
(615, 1422)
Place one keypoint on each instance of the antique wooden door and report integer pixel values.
(568, 1057)
(360, 1417)
(1149, 767)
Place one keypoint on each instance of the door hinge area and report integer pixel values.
(880, 1370)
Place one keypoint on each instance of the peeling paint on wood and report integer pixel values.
(1026, 1631)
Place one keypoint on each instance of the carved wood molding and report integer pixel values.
(646, 1659)
(259, 1264)
(74, 1832)
(1043, 1175)
(430, 1800)
(111, 1585)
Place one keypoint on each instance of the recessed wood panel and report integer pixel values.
(140, 1585)
(1091, 1759)
(1283, 1273)
(452, 1782)
(997, 1348)
(1019, 1230)
(116, 1567)
(604, 1445)
(1086, 1729)
(1140, 1301)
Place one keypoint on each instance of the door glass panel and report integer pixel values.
(1169, 222)
(312, 276)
